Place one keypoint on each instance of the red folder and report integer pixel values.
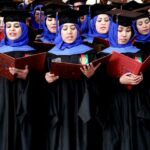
(42, 46)
(102, 41)
(120, 64)
(72, 71)
(35, 62)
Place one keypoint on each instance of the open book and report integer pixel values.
(70, 70)
(35, 62)
(120, 64)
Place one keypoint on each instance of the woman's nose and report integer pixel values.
(124, 33)
(103, 22)
(12, 28)
(53, 21)
(69, 30)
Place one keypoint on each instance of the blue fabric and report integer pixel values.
(62, 48)
(113, 37)
(22, 6)
(84, 26)
(6, 48)
(127, 49)
(19, 44)
(140, 37)
(60, 44)
(113, 40)
(89, 39)
(34, 24)
(79, 49)
(47, 36)
(93, 32)
(22, 40)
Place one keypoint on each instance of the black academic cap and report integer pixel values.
(68, 16)
(84, 10)
(11, 14)
(133, 6)
(145, 14)
(124, 17)
(143, 9)
(99, 9)
(74, 1)
(4, 4)
(117, 3)
(50, 9)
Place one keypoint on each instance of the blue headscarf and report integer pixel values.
(62, 45)
(21, 43)
(47, 36)
(140, 37)
(113, 40)
(22, 40)
(84, 26)
(92, 29)
(62, 48)
(34, 24)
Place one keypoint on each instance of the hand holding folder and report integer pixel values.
(34, 62)
(72, 71)
(120, 64)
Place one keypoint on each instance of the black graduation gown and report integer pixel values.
(68, 110)
(15, 119)
(124, 115)
(144, 47)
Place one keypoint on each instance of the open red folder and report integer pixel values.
(35, 62)
(72, 71)
(120, 64)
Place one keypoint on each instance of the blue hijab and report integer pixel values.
(62, 48)
(34, 24)
(47, 36)
(113, 40)
(92, 29)
(140, 37)
(84, 26)
(21, 43)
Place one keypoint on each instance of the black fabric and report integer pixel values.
(69, 110)
(124, 115)
(15, 116)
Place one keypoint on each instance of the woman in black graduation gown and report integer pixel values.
(15, 125)
(125, 110)
(69, 103)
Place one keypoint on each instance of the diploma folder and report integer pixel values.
(72, 71)
(35, 62)
(101, 41)
(120, 64)
(43, 46)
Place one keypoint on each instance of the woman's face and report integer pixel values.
(102, 24)
(13, 30)
(82, 18)
(69, 33)
(39, 16)
(51, 24)
(76, 5)
(124, 34)
(143, 26)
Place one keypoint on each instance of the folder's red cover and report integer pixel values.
(35, 62)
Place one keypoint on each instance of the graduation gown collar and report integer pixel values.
(6, 48)
(70, 51)
(127, 49)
